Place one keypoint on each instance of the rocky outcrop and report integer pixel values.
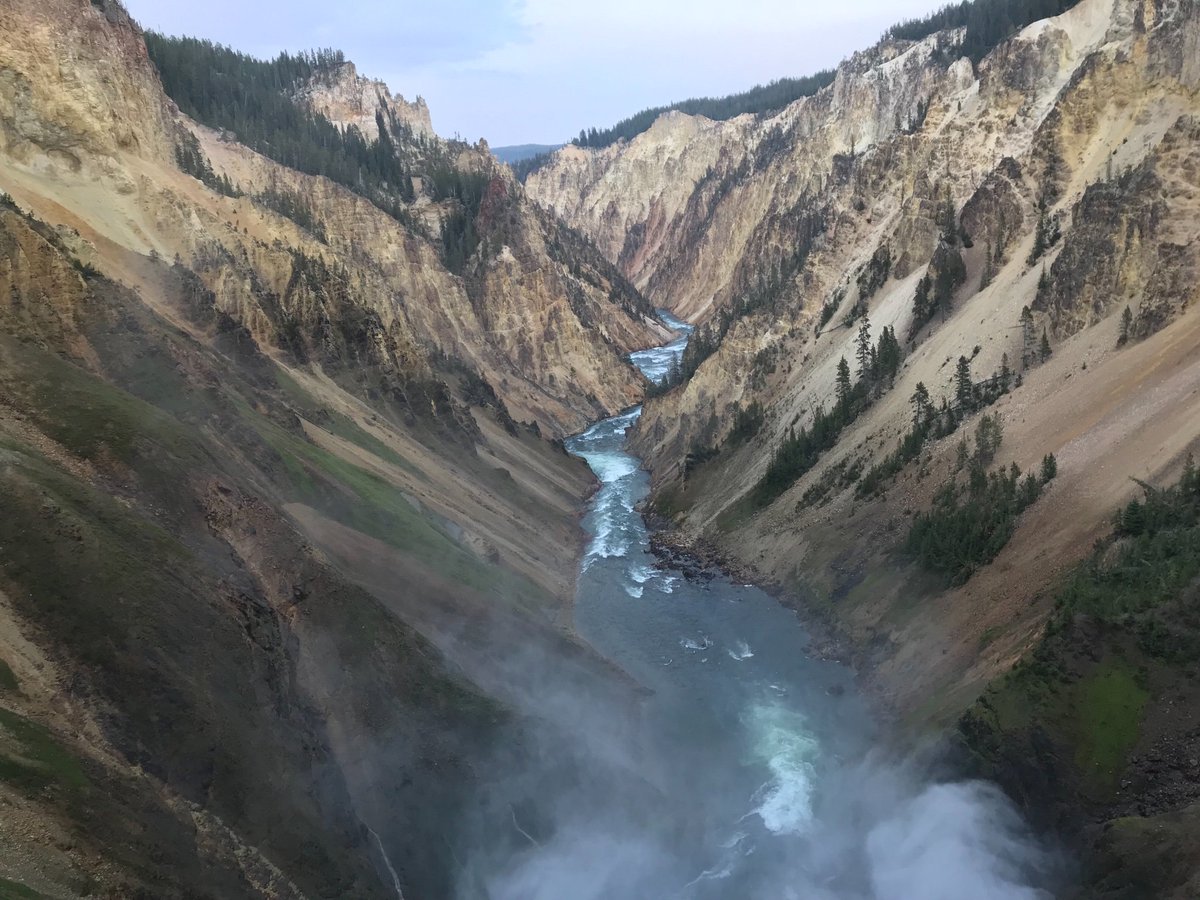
(89, 66)
(348, 99)
(659, 202)
(1132, 243)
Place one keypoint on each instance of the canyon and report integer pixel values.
(297, 595)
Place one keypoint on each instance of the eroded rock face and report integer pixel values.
(682, 205)
(82, 97)
(87, 64)
(1132, 243)
(347, 99)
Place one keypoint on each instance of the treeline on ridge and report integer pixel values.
(252, 98)
(760, 99)
(987, 22)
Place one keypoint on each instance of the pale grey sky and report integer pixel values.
(536, 71)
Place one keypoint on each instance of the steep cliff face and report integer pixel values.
(691, 206)
(62, 114)
(969, 210)
(279, 494)
(347, 99)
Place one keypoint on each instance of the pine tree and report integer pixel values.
(863, 348)
(1027, 337)
(843, 383)
(922, 406)
(1044, 350)
(888, 353)
(962, 456)
(1049, 468)
(1126, 325)
(989, 434)
(963, 386)
(1005, 374)
(923, 309)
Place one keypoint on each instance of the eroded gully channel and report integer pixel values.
(755, 771)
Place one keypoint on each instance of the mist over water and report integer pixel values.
(747, 770)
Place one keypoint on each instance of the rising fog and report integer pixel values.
(729, 765)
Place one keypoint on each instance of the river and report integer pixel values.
(754, 771)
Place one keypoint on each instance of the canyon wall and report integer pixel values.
(283, 489)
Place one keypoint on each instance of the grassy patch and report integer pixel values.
(8, 680)
(669, 501)
(32, 760)
(1109, 717)
(96, 421)
(13, 890)
(348, 430)
(337, 424)
(735, 515)
(1125, 620)
(89, 565)
(374, 506)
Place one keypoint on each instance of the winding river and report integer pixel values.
(754, 770)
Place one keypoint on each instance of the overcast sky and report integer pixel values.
(536, 71)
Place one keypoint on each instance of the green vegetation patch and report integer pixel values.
(1125, 620)
(88, 562)
(336, 423)
(1109, 718)
(32, 760)
(97, 421)
(349, 430)
(14, 890)
(374, 506)
(8, 680)
(966, 529)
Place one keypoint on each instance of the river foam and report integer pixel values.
(781, 738)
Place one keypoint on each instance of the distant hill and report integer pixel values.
(518, 152)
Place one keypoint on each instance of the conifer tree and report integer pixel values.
(863, 348)
(1126, 325)
(1027, 337)
(1044, 350)
(922, 406)
(843, 383)
(963, 386)
(1049, 468)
